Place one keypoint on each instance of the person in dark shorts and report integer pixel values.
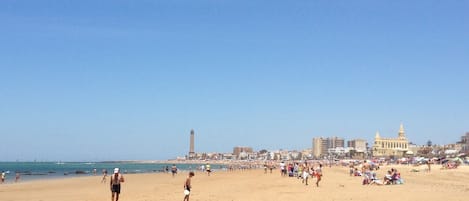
(187, 186)
(207, 168)
(174, 170)
(115, 184)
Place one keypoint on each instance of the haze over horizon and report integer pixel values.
(128, 80)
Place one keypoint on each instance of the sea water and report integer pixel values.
(52, 170)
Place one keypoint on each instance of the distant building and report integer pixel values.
(465, 143)
(358, 145)
(357, 148)
(307, 154)
(321, 146)
(391, 147)
(335, 142)
(413, 149)
(242, 152)
(338, 151)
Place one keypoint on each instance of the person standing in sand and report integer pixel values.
(283, 170)
(207, 168)
(271, 166)
(174, 170)
(17, 177)
(104, 176)
(115, 183)
(429, 165)
(305, 173)
(187, 186)
(3, 176)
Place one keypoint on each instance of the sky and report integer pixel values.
(127, 80)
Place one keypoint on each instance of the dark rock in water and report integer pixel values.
(80, 172)
(35, 174)
(51, 172)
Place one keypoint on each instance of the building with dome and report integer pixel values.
(391, 147)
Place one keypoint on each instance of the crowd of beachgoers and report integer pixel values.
(368, 172)
(312, 170)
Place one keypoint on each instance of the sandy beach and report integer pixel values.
(250, 185)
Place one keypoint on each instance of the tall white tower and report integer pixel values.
(191, 146)
(401, 132)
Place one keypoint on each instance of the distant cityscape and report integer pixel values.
(334, 148)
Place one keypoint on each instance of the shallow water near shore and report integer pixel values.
(53, 170)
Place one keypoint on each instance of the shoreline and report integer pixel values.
(51, 170)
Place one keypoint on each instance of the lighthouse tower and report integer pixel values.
(191, 146)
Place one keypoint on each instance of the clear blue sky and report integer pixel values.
(116, 80)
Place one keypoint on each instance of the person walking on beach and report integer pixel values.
(116, 180)
(3, 176)
(207, 168)
(271, 166)
(174, 170)
(17, 177)
(283, 170)
(104, 176)
(187, 186)
(318, 174)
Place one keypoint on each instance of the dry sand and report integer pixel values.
(248, 185)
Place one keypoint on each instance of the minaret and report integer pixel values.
(377, 139)
(401, 132)
(191, 148)
(377, 135)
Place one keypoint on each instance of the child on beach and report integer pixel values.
(103, 180)
(115, 184)
(187, 186)
(305, 174)
(374, 179)
(318, 174)
(17, 177)
(351, 170)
